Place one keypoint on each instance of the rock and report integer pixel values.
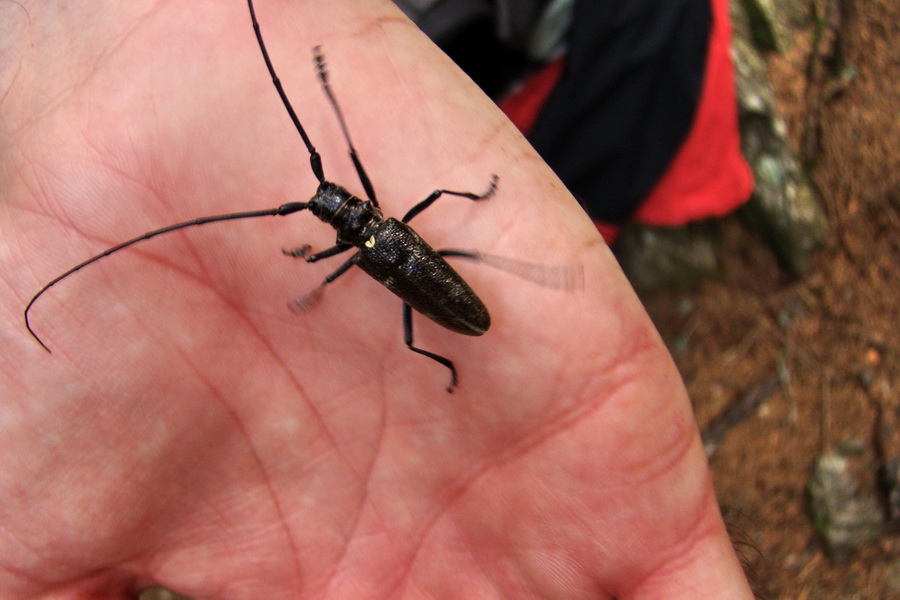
(783, 208)
(665, 258)
(767, 23)
(845, 518)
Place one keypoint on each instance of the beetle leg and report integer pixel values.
(304, 252)
(306, 301)
(415, 210)
(476, 256)
(408, 338)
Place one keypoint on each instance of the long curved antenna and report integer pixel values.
(284, 209)
(315, 161)
(322, 70)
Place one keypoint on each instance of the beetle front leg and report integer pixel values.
(408, 338)
(415, 210)
(305, 302)
(304, 252)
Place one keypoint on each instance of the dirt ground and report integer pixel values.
(827, 343)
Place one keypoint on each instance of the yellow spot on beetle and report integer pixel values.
(370, 243)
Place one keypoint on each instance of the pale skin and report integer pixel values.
(188, 430)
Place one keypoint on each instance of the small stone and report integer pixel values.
(845, 518)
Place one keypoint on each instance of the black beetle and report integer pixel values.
(388, 250)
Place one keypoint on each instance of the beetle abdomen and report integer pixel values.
(403, 262)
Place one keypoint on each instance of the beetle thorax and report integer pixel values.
(352, 217)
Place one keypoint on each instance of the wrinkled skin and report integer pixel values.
(188, 430)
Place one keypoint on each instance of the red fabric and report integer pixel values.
(708, 176)
(524, 104)
(609, 231)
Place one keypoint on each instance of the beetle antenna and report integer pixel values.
(322, 70)
(284, 209)
(315, 161)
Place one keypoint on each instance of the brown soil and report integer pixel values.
(828, 341)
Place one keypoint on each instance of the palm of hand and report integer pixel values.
(188, 429)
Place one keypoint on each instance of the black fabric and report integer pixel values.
(441, 19)
(470, 48)
(627, 96)
(626, 99)
(513, 20)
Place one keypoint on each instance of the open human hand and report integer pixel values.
(190, 431)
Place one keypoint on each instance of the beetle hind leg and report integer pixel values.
(408, 339)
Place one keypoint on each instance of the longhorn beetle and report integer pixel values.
(388, 250)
